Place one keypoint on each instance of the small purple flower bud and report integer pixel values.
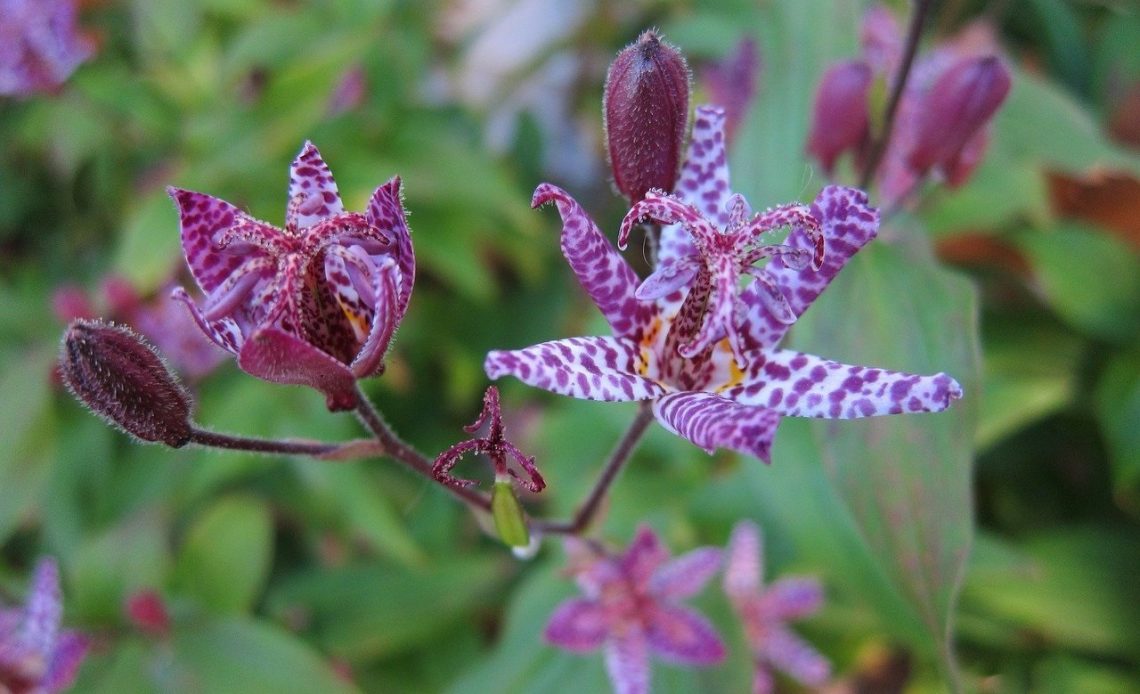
(121, 378)
(840, 117)
(959, 104)
(646, 115)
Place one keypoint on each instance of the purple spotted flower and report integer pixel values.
(721, 396)
(40, 45)
(630, 608)
(764, 612)
(35, 655)
(315, 303)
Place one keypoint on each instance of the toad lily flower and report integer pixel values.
(630, 608)
(314, 304)
(765, 612)
(35, 655)
(721, 395)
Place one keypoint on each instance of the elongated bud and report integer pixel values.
(959, 104)
(646, 114)
(510, 520)
(840, 117)
(121, 378)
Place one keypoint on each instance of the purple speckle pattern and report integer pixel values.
(709, 357)
(712, 421)
(315, 303)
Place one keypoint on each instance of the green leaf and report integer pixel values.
(373, 610)
(227, 654)
(224, 560)
(905, 479)
(1118, 411)
(1089, 277)
(1042, 124)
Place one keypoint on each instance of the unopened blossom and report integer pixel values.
(315, 303)
(36, 656)
(630, 609)
(646, 106)
(942, 121)
(40, 45)
(157, 317)
(721, 396)
(764, 612)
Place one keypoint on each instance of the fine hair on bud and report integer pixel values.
(646, 109)
(119, 376)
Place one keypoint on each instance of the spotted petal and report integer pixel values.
(386, 213)
(711, 421)
(627, 662)
(804, 385)
(593, 368)
(792, 598)
(793, 655)
(578, 625)
(205, 220)
(744, 568)
(645, 554)
(275, 355)
(848, 224)
(602, 272)
(687, 574)
(313, 194)
(683, 636)
(704, 180)
(369, 360)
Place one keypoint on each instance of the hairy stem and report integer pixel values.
(412, 459)
(879, 145)
(315, 449)
(617, 461)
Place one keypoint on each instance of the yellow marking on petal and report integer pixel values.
(358, 321)
(645, 349)
(735, 373)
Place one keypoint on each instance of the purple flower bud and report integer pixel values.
(646, 114)
(960, 103)
(840, 117)
(121, 378)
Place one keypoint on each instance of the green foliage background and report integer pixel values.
(1005, 530)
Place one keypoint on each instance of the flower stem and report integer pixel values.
(879, 146)
(412, 459)
(315, 449)
(616, 462)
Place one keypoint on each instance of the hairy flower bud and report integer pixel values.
(121, 378)
(840, 117)
(646, 115)
(959, 104)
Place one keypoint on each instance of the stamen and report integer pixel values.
(738, 211)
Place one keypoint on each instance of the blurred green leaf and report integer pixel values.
(1063, 674)
(1089, 277)
(1030, 372)
(29, 436)
(1041, 124)
(225, 558)
(372, 610)
(905, 479)
(112, 565)
(227, 654)
(1118, 411)
(1072, 586)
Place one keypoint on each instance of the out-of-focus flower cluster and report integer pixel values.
(941, 125)
(631, 608)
